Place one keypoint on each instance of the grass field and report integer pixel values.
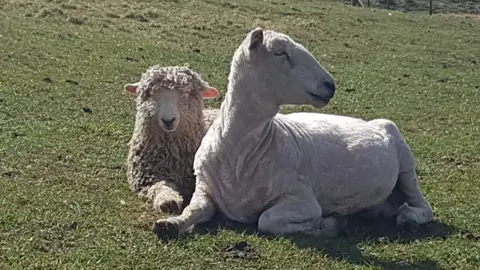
(423, 6)
(65, 124)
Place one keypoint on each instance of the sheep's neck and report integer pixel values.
(243, 109)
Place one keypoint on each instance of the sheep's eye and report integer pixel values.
(280, 53)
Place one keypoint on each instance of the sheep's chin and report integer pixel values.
(319, 104)
(171, 130)
(318, 101)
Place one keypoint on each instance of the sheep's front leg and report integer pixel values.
(165, 197)
(298, 213)
(200, 209)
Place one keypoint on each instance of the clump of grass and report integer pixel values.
(49, 12)
(78, 20)
(151, 14)
(112, 15)
(136, 16)
(68, 6)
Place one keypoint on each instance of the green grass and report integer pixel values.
(423, 6)
(64, 200)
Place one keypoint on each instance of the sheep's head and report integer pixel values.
(169, 92)
(286, 69)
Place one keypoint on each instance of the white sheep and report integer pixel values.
(294, 173)
(169, 125)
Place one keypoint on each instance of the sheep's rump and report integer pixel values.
(345, 160)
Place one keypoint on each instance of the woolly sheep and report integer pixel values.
(169, 126)
(294, 173)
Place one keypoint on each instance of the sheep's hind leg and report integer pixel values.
(165, 197)
(200, 209)
(298, 214)
(417, 210)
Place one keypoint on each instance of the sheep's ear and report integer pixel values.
(131, 87)
(256, 38)
(210, 92)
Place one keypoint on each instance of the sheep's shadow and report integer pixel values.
(358, 230)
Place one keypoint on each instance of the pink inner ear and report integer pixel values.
(210, 93)
(131, 88)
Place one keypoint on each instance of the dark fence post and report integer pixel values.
(431, 8)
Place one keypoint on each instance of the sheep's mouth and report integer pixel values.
(318, 98)
(169, 128)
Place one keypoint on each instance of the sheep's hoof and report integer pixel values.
(407, 219)
(170, 207)
(165, 229)
(408, 225)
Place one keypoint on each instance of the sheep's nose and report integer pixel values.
(168, 122)
(330, 87)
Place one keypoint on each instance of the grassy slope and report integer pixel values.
(64, 200)
(423, 6)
